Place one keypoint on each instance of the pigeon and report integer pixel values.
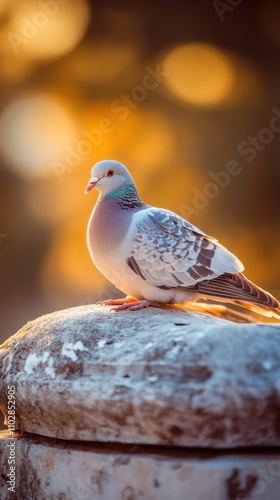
(156, 257)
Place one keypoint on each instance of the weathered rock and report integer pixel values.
(161, 377)
(47, 469)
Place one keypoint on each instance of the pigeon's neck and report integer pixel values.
(125, 196)
(111, 218)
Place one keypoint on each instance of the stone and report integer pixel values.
(50, 469)
(151, 377)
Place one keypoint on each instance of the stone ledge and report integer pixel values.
(162, 377)
(82, 471)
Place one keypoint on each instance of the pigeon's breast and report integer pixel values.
(108, 235)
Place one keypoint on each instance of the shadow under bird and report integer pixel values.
(156, 257)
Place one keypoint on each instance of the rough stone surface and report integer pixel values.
(84, 471)
(163, 377)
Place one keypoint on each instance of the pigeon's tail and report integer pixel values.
(268, 312)
(236, 288)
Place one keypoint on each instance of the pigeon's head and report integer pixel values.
(108, 175)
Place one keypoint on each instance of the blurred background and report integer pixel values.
(176, 91)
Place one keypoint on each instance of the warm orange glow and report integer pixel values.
(258, 254)
(248, 84)
(177, 196)
(102, 62)
(49, 32)
(68, 268)
(140, 138)
(53, 203)
(199, 73)
(150, 137)
(33, 132)
(12, 70)
(4, 6)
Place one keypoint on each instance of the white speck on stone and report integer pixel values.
(69, 349)
(147, 346)
(119, 344)
(49, 369)
(32, 361)
(267, 365)
(10, 361)
(101, 343)
(200, 335)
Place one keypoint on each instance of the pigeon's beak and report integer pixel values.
(91, 184)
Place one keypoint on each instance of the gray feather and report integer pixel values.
(168, 251)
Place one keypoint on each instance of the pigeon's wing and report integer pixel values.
(169, 252)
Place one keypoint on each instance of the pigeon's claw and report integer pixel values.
(138, 304)
(116, 302)
(129, 303)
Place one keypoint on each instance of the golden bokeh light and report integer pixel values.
(199, 73)
(13, 70)
(4, 6)
(138, 137)
(68, 269)
(248, 85)
(102, 63)
(151, 139)
(45, 30)
(53, 203)
(33, 132)
(177, 196)
(255, 250)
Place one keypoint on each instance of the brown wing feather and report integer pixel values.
(238, 288)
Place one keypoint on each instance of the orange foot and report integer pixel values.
(129, 303)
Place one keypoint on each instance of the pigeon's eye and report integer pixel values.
(110, 173)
